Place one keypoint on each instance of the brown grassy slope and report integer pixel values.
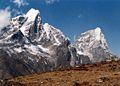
(98, 74)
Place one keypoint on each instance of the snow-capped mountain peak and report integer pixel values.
(39, 46)
(98, 29)
(54, 34)
(97, 33)
(31, 16)
(93, 44)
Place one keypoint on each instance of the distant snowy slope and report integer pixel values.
(93, 45)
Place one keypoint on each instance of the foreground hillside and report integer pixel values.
(98, 74)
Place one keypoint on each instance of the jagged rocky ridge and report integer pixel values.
(29, 46)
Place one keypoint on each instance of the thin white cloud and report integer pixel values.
(20, 3)
(5, 16)
(16, 12)
(51, 1)
(80, 16)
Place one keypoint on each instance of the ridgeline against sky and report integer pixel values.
(71, 16)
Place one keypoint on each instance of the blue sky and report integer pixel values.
(73, 17)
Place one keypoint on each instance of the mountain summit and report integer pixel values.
(28, 46)
(93, 45)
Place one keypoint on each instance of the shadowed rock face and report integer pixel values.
(77, 59)
(28, 46)
(15, 65)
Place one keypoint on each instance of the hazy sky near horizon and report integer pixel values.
(73, 17)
